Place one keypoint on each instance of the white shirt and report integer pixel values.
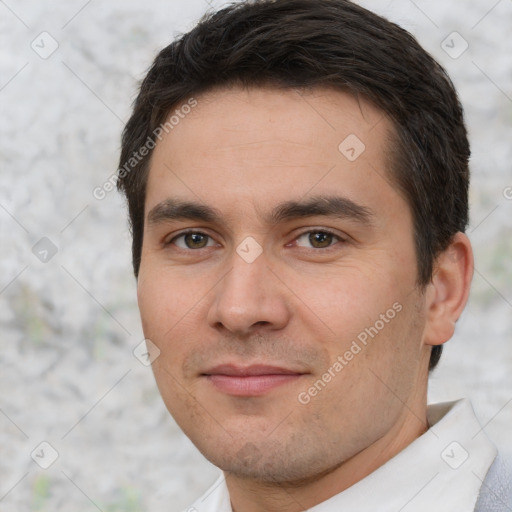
(440, 471)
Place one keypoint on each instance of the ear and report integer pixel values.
(448, 291)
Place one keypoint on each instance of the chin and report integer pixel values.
(272, 462)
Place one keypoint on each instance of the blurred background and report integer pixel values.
(69, 322)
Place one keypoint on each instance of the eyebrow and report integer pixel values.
(328, 206)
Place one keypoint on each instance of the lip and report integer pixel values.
(254, 380)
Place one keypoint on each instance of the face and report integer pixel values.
(278, 280)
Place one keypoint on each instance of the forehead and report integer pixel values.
(256, 145)
(319, 117)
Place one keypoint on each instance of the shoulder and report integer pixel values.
(496, 490)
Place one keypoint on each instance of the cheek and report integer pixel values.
(346, 301)
(368, 321)
(172, 315)
(395, 353)
(161, 308)
(152, 303)
(163, 311)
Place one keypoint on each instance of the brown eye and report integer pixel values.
(317, 239)
(320, 240)
(191, 240)
(195, 240)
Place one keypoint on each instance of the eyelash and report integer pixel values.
(323, 231)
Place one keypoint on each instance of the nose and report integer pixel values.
(249, 298)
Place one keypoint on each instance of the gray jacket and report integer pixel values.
(496, 491)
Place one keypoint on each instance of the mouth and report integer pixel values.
(255, 380)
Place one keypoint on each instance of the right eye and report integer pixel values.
(191, 240)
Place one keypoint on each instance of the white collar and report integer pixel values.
(442, 470)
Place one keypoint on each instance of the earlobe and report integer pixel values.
(448, 291)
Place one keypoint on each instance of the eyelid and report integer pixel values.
(341, 238)
(169, 239)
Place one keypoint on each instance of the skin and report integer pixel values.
(300, 304)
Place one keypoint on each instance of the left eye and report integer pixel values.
(319, 239)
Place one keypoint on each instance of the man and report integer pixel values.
(297, 175)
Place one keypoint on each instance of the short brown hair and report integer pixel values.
(304, 44)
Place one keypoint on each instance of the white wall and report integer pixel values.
(68, 326)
